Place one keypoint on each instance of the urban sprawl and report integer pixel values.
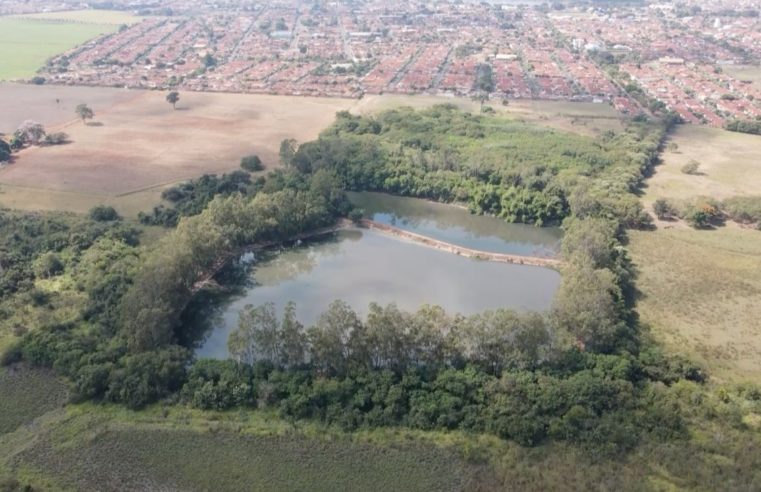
(638, 58)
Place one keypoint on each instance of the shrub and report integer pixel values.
(48, 265)
(57, 138)
(356, 215)
(103, 213)
(664, 209)
(745, 209)
(702, 215)
(252, 163)
(691, 167)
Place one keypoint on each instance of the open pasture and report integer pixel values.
(137, 144)
(701, 293)
(26, 44)
(730, 165)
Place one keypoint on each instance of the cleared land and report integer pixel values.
(730, 165)
(26, 44)
(701, 290)
(137, 144)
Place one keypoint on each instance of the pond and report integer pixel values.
(361, 266)
(456, 225)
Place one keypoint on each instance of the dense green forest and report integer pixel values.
(497, 166)
(108, 311)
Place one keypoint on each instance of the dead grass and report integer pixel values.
(701, 293)
(139, 145)
(729, 165)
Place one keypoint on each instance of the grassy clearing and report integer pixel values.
(108, 448)
(751, 73)
(728, 165)
(110, 17)
(702, 294)
(25, 44)
(583, 118)
(25, 394)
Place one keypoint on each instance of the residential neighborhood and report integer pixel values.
(656, 55)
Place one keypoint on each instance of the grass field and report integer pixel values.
(701, 290)
(137, 144)
(750, 73)
(26, 44)
(26, 394)
(729, 165)
(92, 447)
(103, 17)
(702, 294)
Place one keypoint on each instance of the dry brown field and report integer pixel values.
(701, 289)
(137, 144)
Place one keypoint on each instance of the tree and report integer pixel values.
(288, 149)
(209, 61)
(48, 265)
(173, 98)
(103, 213)
(257, 336)
(30, 132)
(84, 112)
(5, 151)
(663, 209)
(251, 163)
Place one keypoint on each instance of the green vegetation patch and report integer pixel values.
(25, 394)
(144, 458)
(25, 45)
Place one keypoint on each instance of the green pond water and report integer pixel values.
(362, 266)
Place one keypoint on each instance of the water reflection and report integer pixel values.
(458, 226)
(359, 267)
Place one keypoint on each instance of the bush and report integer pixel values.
(48, 265)
(702, 215)
(103, 213)
(664, 209)
(252, 163)
(57, 138)
(745, 209)
(691, 167)
(356, 215)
